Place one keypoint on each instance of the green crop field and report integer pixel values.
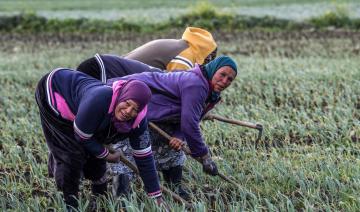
(160, 10)
(302, 86)
(35, 5)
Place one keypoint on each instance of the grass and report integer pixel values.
(203, 15)
(35, 5)
(304, 91)
(160, 10)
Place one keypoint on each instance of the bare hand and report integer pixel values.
(176, 143)
(113, 157)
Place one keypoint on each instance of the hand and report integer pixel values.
(160, 202)
(176, 143)
(113, 157)
(110, 148)
(209, 165)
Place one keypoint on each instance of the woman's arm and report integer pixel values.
(192, 104)
(141, 144)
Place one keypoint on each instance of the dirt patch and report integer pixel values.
(264, 43)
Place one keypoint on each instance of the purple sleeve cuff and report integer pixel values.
(178, 134)
(200, 153)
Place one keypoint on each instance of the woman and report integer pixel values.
(78, 115)
(179, 102)
(196, 46)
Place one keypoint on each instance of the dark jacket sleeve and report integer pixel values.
(91, 112)
(141, 144)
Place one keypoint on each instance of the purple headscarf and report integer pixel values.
(135, 90)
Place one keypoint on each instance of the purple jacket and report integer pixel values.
(178, 95)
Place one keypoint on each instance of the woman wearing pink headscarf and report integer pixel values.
(80, 114)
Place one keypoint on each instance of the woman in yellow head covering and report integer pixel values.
(197, 46)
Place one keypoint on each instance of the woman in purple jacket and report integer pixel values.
(179, 102)
(80, 114)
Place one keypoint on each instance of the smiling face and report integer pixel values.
(222, 78)
(126, 110)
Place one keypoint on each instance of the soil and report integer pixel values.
(286, 43)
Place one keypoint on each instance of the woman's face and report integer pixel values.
(222, 78)
(126, 110)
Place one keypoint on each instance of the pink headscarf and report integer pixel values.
(135, 90)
